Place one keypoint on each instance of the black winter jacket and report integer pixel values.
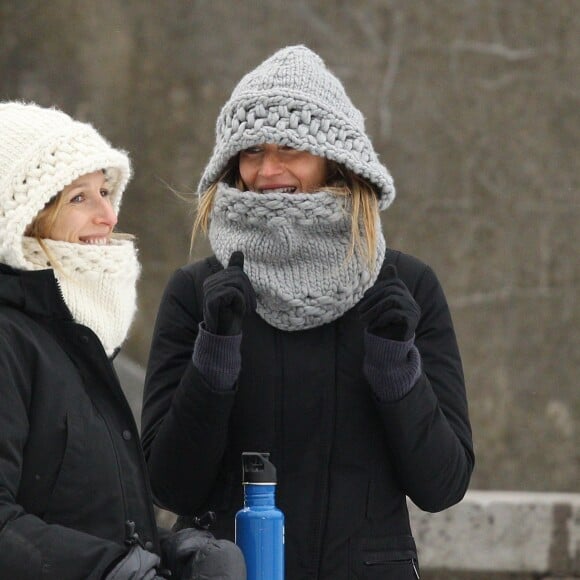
(71, 468)
(345, 461)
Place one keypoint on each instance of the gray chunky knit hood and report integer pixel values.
(293, 99)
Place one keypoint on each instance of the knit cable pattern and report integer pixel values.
(98, 283)
(296, 249)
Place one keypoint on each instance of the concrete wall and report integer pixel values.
(497, 535)
(472, 104)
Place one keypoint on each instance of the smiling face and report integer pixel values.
(82, 213)
(278, 169)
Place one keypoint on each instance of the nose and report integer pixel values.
(271, 163)
(105, 213)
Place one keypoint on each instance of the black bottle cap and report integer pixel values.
(256, 468)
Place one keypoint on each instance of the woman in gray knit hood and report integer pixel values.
(306, 337)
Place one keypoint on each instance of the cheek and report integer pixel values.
(247, 172)
(315, 173)
(64, 226)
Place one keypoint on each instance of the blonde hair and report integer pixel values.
(363, 205)
(43, 224)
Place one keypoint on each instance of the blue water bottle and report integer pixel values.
(260, 524)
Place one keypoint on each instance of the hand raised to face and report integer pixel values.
(228, 297)
(388, 309)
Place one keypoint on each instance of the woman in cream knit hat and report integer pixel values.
(305, 336)
(75, 501)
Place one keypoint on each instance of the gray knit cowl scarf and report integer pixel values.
(297, 253)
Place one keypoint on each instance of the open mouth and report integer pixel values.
(95, 241)
(279, 190)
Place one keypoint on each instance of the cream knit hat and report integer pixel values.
(293, 99)
(41, 152)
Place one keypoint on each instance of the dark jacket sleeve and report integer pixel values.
(31, 548)
(184, 420)
(428, 430)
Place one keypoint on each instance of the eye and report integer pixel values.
(78, 198)
(105, 192)
(253, 150)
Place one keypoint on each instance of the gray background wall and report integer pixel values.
(472, 104)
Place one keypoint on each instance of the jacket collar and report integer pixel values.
(34, 292)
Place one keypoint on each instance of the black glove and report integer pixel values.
(138, 564)
(228, 296)
(388, 309)
(192, 553)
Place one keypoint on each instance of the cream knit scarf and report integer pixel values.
(296, 249)
(98, 283)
